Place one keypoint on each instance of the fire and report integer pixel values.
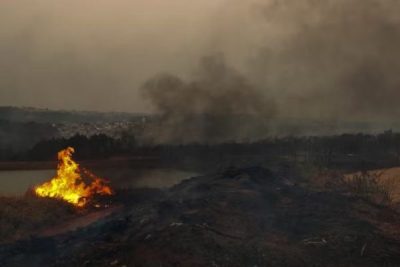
(69, 184)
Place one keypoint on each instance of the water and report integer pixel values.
(18, 182)
(155, 178)
(14, 183)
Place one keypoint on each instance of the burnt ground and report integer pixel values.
(238, 217)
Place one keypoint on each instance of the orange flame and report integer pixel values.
(69, 184)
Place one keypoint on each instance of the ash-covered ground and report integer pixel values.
(248, 216)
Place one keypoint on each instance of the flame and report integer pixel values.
(69, 184)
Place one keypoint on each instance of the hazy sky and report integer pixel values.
(330, 58)
(94, 54)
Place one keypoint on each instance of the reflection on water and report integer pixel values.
(156, 178)
(17, 182)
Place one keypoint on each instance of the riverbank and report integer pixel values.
(143, 162)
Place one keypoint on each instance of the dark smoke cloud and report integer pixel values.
(219, 104)
(336, 59)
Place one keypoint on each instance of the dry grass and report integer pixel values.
(370, 185)
(24, 216)
(378, 186)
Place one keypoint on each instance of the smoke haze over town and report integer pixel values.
(335, 60)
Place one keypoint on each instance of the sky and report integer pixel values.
(336, 59)
(95, 54)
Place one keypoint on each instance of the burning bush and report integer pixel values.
(72, 184)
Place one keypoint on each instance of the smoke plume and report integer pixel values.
(332, 59)
(218, 104)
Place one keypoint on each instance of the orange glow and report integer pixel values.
(69, 184)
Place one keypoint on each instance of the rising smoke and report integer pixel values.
(218, 104)
(334, 61)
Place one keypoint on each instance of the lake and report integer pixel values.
(14, 183)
